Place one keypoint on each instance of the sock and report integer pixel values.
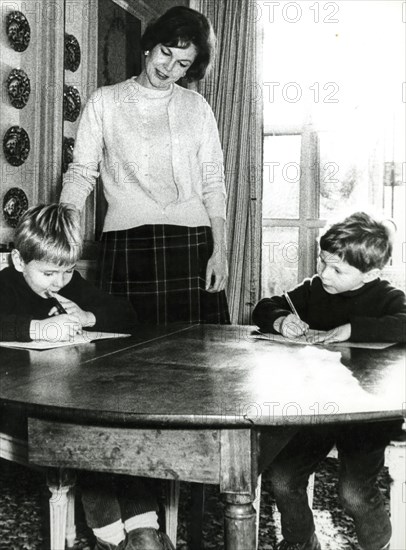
(140, 521)
(112, 533)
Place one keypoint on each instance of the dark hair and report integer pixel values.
(179, 27)
(50, 233)
(360, 240)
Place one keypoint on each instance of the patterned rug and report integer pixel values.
(24, 523)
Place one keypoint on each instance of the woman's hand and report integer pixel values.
(217, 266)
(85, 318)
(217, 271)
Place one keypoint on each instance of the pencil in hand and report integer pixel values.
(56, 303)
(291, 305)
(304, 326)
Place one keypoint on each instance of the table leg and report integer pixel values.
(70, 519)
(238, 480)
(240, 525)
(60, 482)
(58, 504)
(171, 509)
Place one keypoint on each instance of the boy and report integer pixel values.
(346, 300)
(48, 244)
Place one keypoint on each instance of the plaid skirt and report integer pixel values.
(161, 269)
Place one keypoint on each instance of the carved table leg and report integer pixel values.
(70, 519)
(238, 480)
(171, 509)
(240, 526)
(59, 482)
(58, 504)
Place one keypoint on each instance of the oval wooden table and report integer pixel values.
(209, 404)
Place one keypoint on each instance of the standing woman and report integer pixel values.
(156, 147)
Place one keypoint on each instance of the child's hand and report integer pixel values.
(86, 318)
(292, 327)
(338, 334)
(60, 328)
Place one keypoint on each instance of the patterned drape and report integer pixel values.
(234, 92)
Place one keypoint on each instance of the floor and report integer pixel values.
(24, 517)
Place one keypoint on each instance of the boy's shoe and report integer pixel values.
(148, 539)
(103, 545)
(311, 544)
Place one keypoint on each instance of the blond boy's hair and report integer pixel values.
(50, 233)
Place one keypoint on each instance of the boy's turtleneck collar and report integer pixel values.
(357, 291)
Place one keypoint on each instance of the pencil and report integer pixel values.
(57, 304)
(292, 307)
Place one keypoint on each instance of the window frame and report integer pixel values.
(308, 223)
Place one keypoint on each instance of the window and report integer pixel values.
(334, 127)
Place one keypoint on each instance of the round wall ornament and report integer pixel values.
(15, 203)
(18, 31)
(18, 88)
(71, 103)
(16, 145)
(72, 53)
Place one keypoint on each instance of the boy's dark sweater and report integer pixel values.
(19, 305)
(376, 311)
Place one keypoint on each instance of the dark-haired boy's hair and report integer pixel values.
(179, 27)
(361, 241)
(50, 233)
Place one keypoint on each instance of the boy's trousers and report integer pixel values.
(361, 449)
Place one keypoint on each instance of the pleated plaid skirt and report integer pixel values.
(161, 269)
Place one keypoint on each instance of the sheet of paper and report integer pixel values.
(302, 340)
(85, 338)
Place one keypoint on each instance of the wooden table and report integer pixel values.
(206, 404)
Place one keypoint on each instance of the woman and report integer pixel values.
(156, 147)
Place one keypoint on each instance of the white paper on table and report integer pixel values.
(302, 340)
(85, 338)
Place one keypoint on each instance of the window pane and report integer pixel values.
(344, 174)
(279, 259)
(281, 179)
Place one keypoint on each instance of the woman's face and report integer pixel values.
(165, 65)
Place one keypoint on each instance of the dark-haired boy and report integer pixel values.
(346, 300)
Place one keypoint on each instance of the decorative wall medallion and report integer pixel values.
(15, 203)
(72, 53)
(16, 145)
(18, 88)
(71, 103)
(67, 152)
(18, 31)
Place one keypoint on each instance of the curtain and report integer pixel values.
(233, 90)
